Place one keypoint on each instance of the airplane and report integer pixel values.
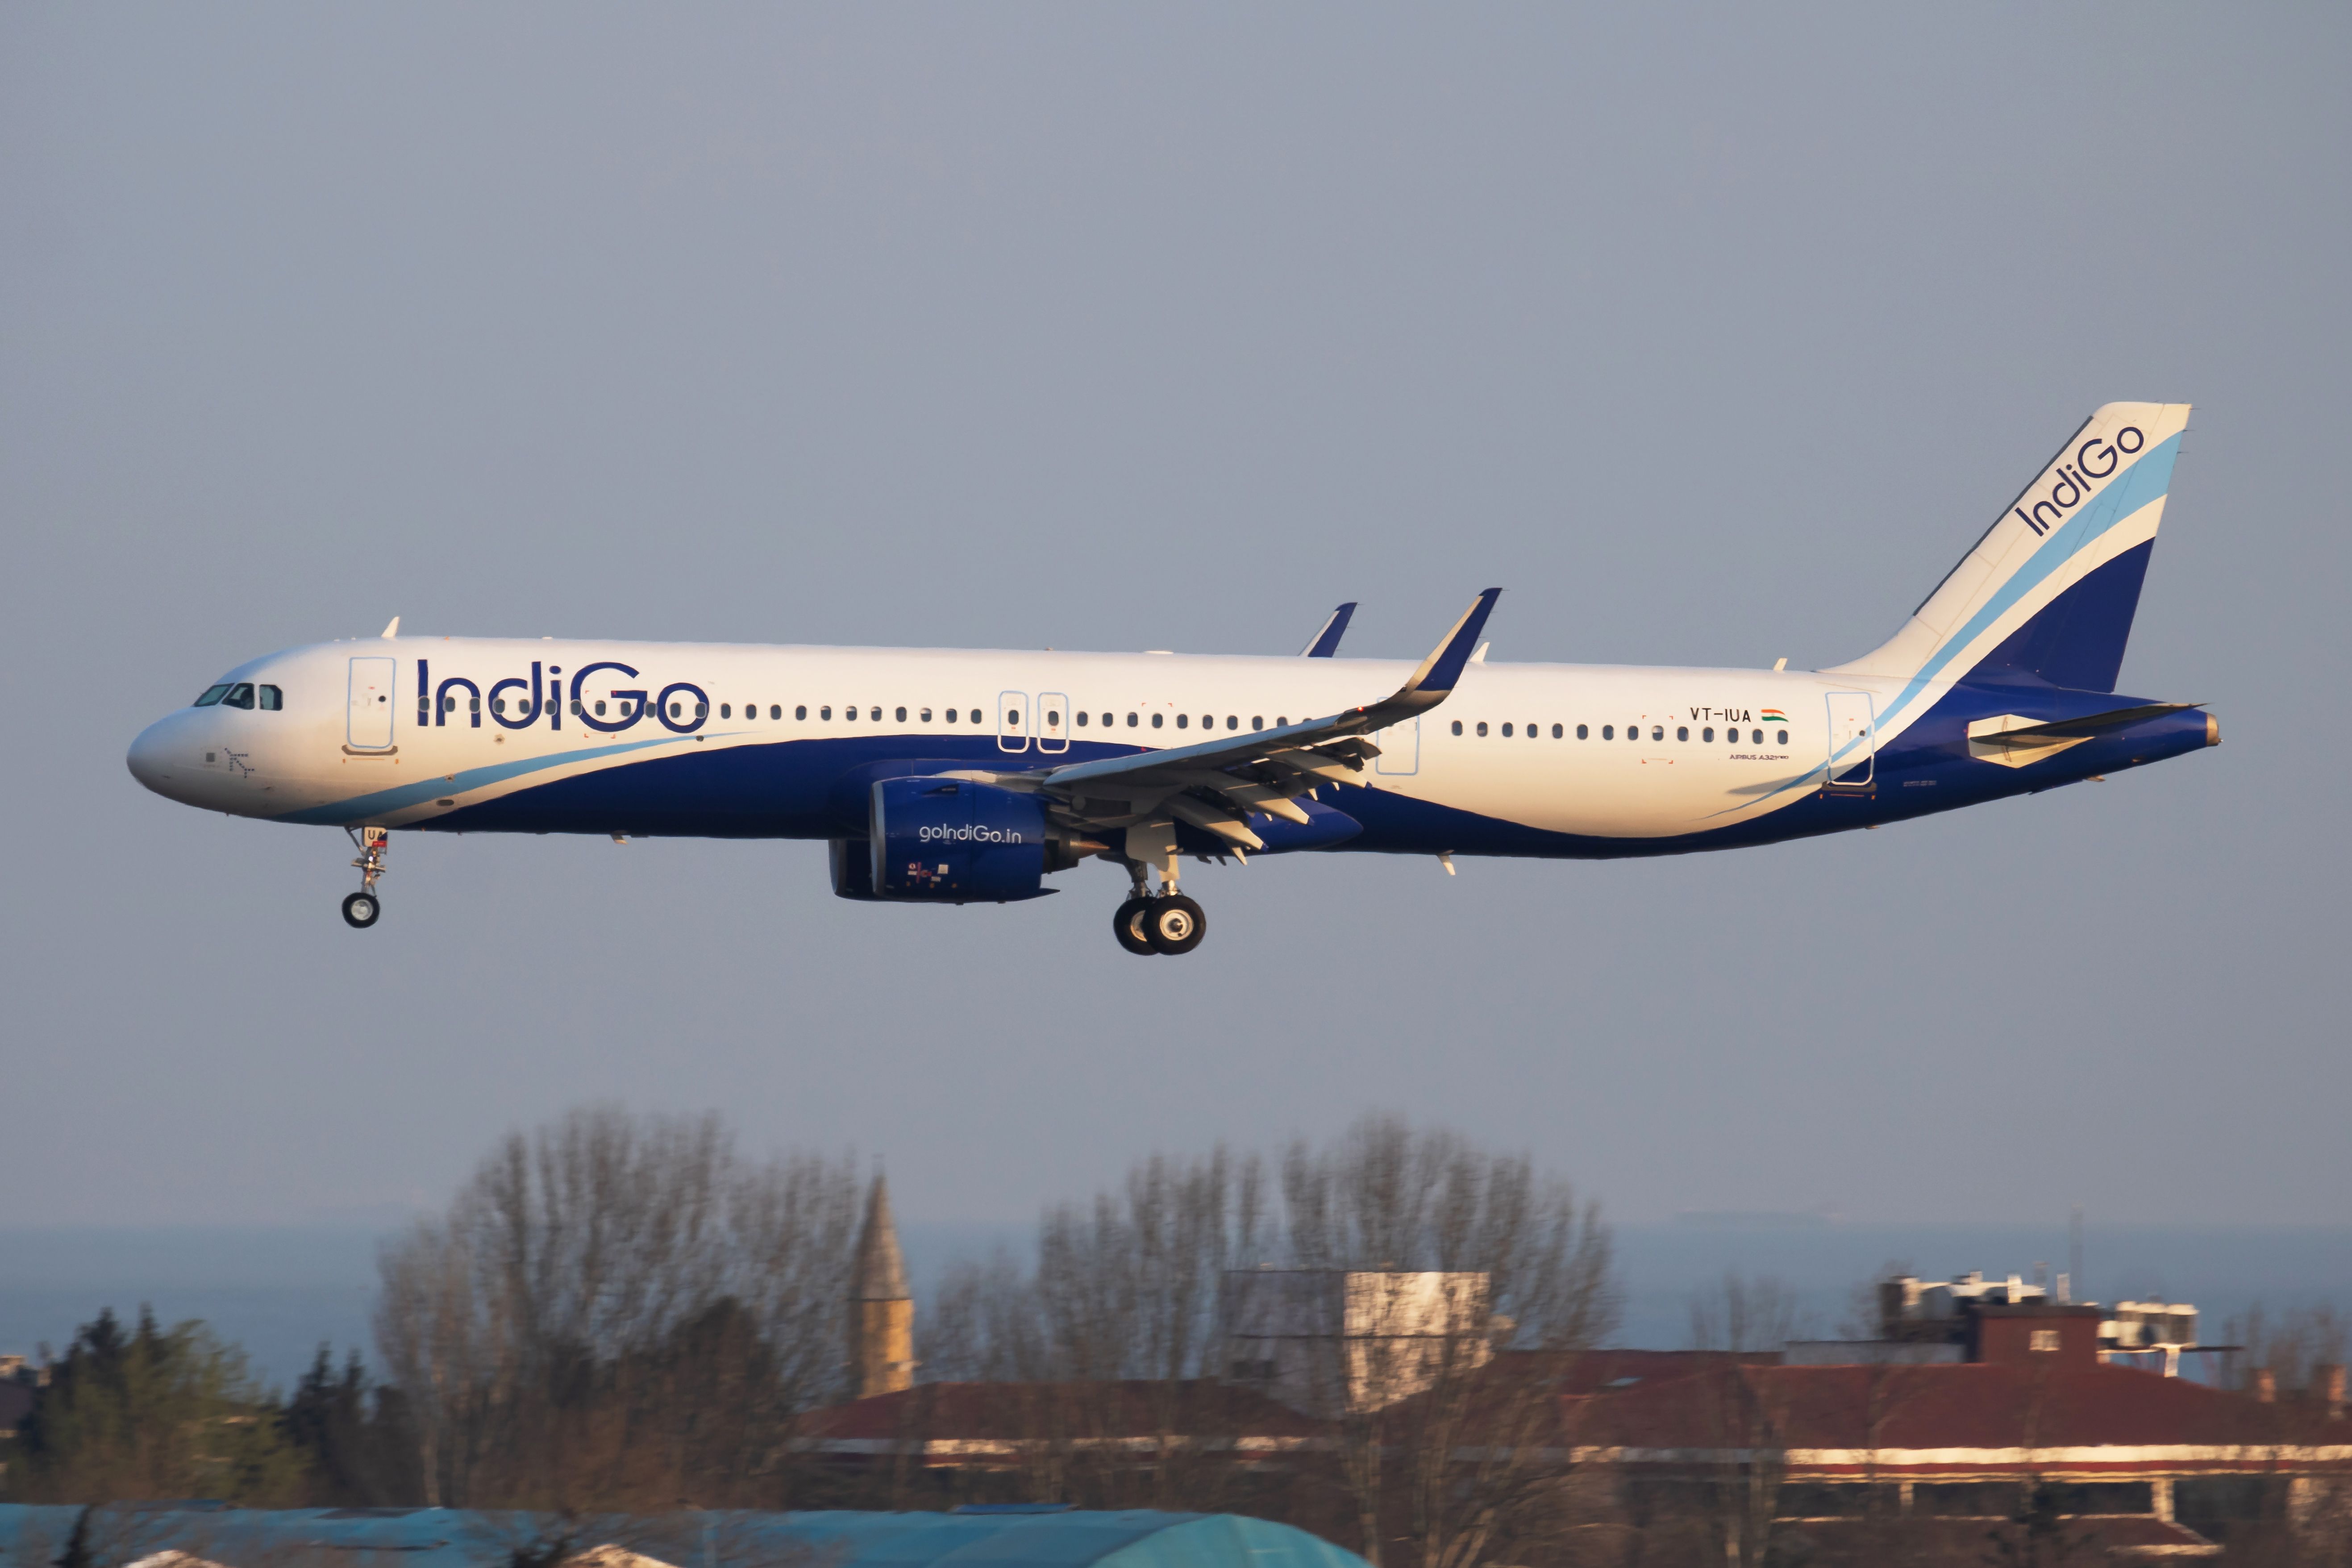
(960, 776)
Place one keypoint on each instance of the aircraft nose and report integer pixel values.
(149, 758)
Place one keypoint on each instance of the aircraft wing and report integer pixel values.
(1327, 641)
(1218, 784)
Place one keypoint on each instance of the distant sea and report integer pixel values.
(282, 1292)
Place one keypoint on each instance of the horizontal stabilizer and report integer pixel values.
(2082, 729)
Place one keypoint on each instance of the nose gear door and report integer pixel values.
(368, 724)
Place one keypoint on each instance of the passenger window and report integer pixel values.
(1481, 726)
(800, 712)
(849, 714)
(902, 715)
(1608, 731)
(212, 694)
(1784, 738)
(1182, 719)
(1682, 731)
(1258, 721)
(497, 705)
(1756, 738)
(575, 708)
(726, 710)
(875, 714)
(1507, 731)
(600, 707)
(1281, 720)
(1208, 721)
(1083, 717)
(272, 699)
(1156, 718)
(239, 696)
(701, 709)
(825, 712)
(1582, 734)
(776, 711)
(1657, 731)
(1232, 720)
(926, 715)
(1556, 733)
(1457, 726)
(1708, 734)
(1130, 720)
(1013, 717)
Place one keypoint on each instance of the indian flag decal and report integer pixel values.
(1771, 714)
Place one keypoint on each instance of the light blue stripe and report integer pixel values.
(387, 801)
(2136, 487)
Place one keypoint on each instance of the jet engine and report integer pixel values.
(948, 841)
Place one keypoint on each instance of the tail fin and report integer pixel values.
(2048, 592)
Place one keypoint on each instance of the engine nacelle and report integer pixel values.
(950, 841)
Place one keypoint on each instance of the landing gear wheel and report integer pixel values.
(359, 910)
(1175, 925)
(1127, 924)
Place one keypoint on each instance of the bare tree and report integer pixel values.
(1445, 1390)
(617, 1307)
(1743, 1314)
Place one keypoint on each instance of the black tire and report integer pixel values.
(1127, 924)
(1175, 925)
(359, 910)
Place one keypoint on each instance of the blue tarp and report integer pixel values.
(454, 1538)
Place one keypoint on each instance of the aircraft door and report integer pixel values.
(1399, 747)
(1052, 724)
(1853, 741)
(1012, 721)
(368, 725)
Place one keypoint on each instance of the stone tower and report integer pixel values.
(881, 1311)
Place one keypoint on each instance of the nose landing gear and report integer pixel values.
(1167, 923)
(360, 909)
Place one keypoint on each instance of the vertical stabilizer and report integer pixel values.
(2047, 596)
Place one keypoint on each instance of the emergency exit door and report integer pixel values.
(1012, 721)
(1399, 747)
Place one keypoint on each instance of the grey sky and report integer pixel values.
(1713, 334)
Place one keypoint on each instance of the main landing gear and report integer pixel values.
(1168, 922)
(360, 909)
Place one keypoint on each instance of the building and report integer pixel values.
(1937, 1321)
(1329, 1340)
(2030, 1417)
(881, 1307)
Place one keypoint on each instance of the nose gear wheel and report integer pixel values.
(360, 909)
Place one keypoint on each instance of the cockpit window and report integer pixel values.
(212, 695)
(239, 696)
(272, 699)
